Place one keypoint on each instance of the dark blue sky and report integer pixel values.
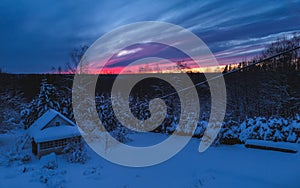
(36, 35)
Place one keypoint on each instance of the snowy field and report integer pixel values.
(220, 166)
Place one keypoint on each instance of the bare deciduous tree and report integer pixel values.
(57, 70)
(76, 55)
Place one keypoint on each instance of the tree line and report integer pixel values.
(286, 62)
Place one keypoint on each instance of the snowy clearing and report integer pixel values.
(230, 166)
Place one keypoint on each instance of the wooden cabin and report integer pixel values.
(52, 132)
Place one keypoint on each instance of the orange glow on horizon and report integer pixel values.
(145, 70)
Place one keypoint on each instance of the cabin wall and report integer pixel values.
(56, 146)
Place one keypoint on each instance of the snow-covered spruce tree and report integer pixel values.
(48, 98)
(11, 103)
(66, 107)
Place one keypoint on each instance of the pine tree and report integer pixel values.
(48, 98)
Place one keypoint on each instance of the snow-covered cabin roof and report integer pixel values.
(56, 133)
(40, 129)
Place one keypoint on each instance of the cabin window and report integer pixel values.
(57, 123)
(59, 143)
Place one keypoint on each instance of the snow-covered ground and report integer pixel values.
(221, 166)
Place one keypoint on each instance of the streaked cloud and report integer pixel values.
(128, 52)
(36, 35)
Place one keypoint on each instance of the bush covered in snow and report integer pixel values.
(10, 155)
(230, 133)
(76, 152)
(52, 178)
(49, 161)
(49, 174)
(260, 128)
(11, 103)
(14, 154)
(121, 134)
(272, 129)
